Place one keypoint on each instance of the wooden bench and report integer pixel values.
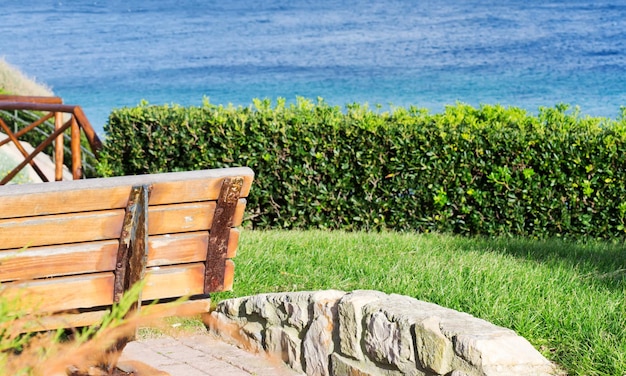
(69, 250)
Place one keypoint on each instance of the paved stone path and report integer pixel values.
(196, 355)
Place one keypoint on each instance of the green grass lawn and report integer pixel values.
(567, 299)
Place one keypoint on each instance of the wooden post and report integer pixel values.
(77, 168)
(58, 148)
(220, 232)
(132, 254)
(85, 125)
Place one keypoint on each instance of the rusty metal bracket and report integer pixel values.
(132, 253)
(220, 232)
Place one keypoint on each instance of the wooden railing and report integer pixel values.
(65, 117)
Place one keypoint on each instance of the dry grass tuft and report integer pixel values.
(45, 354)
(90, 351)
(13, 81)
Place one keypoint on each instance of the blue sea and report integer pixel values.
(109, 54)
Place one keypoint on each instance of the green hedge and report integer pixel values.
(488, 170)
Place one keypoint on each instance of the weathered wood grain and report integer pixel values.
(239, 212)
(229, 275)
(173, 281)
(60, 229)
(168, 219)
(111, 193)
(233, 241)
(177, 248)
(183, 308)
(59, 294)
(50, 261)
(99, 256)
(104, 225)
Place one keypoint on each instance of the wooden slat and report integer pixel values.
(76, 320)
(186, 308)
(233, 242)
(177, 248)
(104, 225)
(67, 259)
(185, 191)
(40, 262)
(60, 229)
(108, 193)
(168, 219)
(239, 212)
(60, 201)
(229, 275)
(184, 248)
(63, 293)
(173, 281)
(67, 320)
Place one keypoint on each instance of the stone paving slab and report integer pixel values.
(197, 355)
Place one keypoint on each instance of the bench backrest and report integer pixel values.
(77, 245)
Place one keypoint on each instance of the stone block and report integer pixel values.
(433, 350)
(292, 308)
(230, 307)
(318, 341)
(502, 354)
(295, 314)
(350, 317)
(260, 306)
(285, 344)
(389, 342)
(341, 366)
(251, 334)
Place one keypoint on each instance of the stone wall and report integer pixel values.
(366, 333)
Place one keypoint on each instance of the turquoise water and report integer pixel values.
(107, 54)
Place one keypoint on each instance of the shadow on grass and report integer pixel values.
(603, 262)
